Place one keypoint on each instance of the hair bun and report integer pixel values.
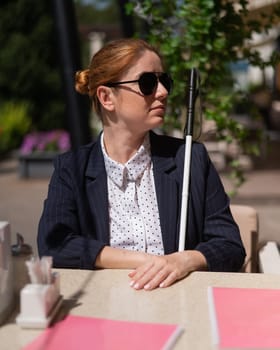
(82, 81)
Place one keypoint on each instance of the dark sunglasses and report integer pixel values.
(148, 82)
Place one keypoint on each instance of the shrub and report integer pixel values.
(14, 123)
(45, 141)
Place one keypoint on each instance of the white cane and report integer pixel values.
(188, 132)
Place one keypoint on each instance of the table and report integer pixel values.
(107, 294)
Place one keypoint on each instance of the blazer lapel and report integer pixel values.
(97, 193)
(168, 198)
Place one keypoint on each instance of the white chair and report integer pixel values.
(247, 219)
(269, 258)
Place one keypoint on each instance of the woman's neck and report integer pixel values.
(121, 146)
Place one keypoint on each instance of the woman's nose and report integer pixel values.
(161, 91)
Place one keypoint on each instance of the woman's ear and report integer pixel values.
(105, 97)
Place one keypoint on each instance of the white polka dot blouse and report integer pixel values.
(133, 208)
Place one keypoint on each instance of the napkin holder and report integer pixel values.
(39, 303)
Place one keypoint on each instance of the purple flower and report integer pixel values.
(55, 140)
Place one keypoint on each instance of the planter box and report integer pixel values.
(36, 165)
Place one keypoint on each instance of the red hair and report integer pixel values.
(109, 64)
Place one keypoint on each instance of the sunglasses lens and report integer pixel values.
(147, 83)
(166, 81)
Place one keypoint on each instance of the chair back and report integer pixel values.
(247, 219)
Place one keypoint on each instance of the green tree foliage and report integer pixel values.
(29, 62)
(208, 35)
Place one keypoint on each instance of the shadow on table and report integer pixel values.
(73, 300)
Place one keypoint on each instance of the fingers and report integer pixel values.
(143, 275)
(140, 271)
(162, 271)
(157, 273)
(170, 279)
(152, 279)
(162, 279)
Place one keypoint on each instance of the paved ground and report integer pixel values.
(21, 200)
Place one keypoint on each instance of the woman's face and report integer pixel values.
(133, 110)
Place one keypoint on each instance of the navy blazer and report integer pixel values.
(74, 225)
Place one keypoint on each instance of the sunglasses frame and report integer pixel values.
(162, 77)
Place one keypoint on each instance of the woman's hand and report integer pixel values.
(162, 271)
(151, 271)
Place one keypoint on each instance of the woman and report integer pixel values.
(115, 203)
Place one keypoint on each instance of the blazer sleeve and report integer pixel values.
(211, 219)
(66, 230)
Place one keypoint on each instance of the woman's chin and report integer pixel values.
(158, 120)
